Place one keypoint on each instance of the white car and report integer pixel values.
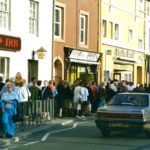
(128, 112)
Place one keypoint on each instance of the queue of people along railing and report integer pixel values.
(36, 112)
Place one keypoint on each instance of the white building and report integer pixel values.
(31, 22)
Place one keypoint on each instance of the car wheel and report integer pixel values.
(105, 132)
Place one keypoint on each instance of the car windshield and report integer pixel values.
(130, 99)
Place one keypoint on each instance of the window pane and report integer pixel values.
(57, 31)
(33, 20)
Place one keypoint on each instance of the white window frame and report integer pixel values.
(34, 18)
(117, 31)
(130, 37)
(59, 23)
(104, 28)
(5, 14)
(83, 29)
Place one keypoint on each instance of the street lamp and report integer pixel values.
(41, 53)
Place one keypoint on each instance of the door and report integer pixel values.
(32, 69)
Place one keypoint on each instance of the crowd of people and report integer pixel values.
(77, 100)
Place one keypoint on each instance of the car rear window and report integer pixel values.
(130, 99)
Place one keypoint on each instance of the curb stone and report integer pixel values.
(22, 135)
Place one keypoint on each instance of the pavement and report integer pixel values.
(20, 135)
(26, 132)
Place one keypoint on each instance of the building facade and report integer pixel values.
(122, 40)
(147, 42)
(75, 46)
(25, 26)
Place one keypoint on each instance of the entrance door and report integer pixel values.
(32, 69)
(139, 74)
(117, 76)
(57, 71)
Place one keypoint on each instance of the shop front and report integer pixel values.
(128, 65)
(81, 64)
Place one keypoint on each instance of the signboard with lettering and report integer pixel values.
(10, 43)
(82, 55)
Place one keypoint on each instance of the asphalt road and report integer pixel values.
(82, 135)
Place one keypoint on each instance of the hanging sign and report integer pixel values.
(10, 43)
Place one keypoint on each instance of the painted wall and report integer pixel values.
(20, 28)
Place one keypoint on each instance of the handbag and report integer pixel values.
(17, 118)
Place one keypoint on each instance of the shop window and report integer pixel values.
(58, 22)
(83, 29)
(4, 67)
(34, 18)
(128, 77)
(4, 14)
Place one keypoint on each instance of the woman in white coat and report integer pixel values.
(77, 98)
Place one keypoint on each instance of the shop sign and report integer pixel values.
(10, 43)
(125, 53)
(82, 55)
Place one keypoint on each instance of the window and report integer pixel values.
(140, 46)
(33, 20)
(58, 22)
(130, 35)
(141, 5)
(4, 67)
(116, 31)
(83, 29)
(4, 13)
(104, 28)
(111, 30)
(148, 9)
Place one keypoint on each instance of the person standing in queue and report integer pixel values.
(9, 102)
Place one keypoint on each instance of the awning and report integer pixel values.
(84, 62)
(84, 57)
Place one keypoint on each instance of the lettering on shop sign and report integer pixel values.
(10, 43)
(82, 55)
(124, 53)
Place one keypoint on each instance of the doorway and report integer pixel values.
(57, 71)
(32, 69)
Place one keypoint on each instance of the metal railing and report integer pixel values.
(35, 113)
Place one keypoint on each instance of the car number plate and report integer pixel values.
(119, 124)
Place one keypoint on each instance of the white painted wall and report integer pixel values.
(20, 28)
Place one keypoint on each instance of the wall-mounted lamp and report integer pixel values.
(41, 52)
